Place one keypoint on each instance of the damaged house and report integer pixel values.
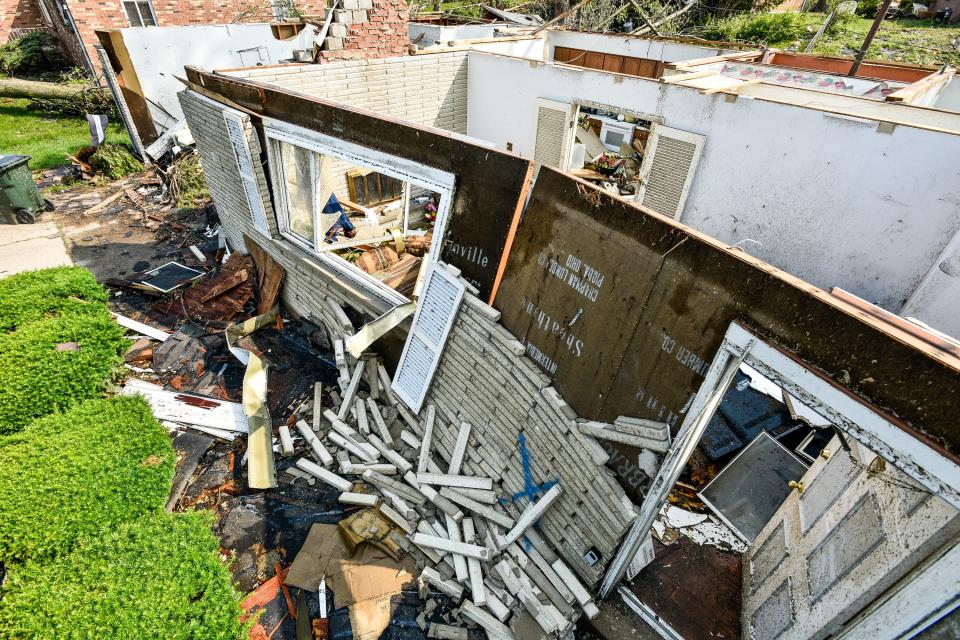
(722, 445)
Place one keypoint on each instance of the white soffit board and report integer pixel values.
(668, 167)
(554, 130)
(236, 128)
(439, 302)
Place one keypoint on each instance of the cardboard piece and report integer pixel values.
(364, 582)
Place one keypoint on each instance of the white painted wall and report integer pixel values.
(949, 98)
(829, 198)
(627, 45)
(531, 48)
(160, 53)
(441, 34)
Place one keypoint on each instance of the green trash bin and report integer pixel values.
(20, 200)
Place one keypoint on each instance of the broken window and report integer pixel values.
(378, 222)
(140, 14)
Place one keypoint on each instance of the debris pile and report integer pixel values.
(368, 446)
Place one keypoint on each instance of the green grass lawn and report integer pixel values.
(46, 138)
(911, 41)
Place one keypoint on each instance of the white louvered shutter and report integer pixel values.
(236, 128)
(668, 168)
(439, 302)
(554, 133)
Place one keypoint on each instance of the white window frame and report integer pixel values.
(436, 180)
(256, 208)
(136, 4)
(926, 465)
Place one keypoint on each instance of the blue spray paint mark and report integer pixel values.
(531, 490)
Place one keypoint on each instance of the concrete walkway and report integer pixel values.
(24, 247)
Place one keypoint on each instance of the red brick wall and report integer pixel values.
(18, 14)
(384, 34)
(91, 15)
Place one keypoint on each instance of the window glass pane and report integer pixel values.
(132, 15)
(146, 14)
(296, 173)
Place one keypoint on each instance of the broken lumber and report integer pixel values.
(451, 546)
(140, 328)
(320, 473)
(447, 480)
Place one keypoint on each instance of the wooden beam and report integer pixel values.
(913, 92)
(680, 77)
(733, 87)
(686, 64)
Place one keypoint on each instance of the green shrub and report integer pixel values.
(157, 577)
(868, 8)
(74, 474)
(762, 28)
(34, 295)
(38, 378)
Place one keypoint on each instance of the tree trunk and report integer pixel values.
(14, 88)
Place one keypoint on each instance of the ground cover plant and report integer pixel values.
(58, 351)
(102, 463)
(159, 576)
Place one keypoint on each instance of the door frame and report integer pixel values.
(927, 466)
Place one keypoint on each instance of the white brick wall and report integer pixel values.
(481, 380)
(428, 89)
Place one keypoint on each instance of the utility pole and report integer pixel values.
(881, 14)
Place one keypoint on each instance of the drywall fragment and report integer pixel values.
(459, 449)
(362, 499)
(427, 440)
(351, 391)
(480, 509)
(531, 514)
(432, 576)
(496, 629)
(360, 409)
(378, 421)
(451, 546)
(325, 458)
(447, 480)
(398, 488)
(398, 519)
(330, 478)
(351, 446)
(286, 442)
(478, 593)
(392, 456)
(317, 405)
(579, 591)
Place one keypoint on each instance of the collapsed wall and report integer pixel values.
(485, 379)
